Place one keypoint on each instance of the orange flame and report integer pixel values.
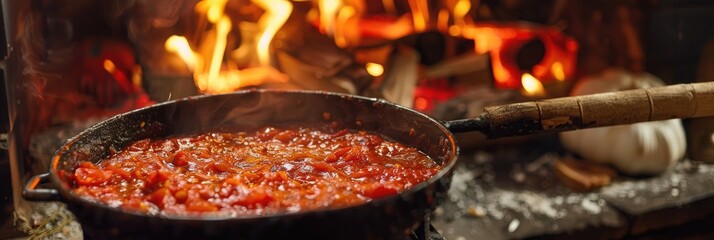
(442, 20)
(340, 20)
(209, 72)
(420, 14)
(558, 71)
(223, 27)
(344, 15)
(498, 40)
(179, 45)
(461, 8)
(328, 13)
(277, 12)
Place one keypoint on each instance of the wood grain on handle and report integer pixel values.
(604, 109)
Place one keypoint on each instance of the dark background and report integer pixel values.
(6, 217)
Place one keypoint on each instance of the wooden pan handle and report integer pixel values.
(604, 109)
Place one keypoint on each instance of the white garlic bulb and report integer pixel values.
(641, 148)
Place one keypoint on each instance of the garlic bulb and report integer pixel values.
(641, 148)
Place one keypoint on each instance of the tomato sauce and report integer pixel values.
(253, 173)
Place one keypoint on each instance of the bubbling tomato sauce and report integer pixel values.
(253, 173)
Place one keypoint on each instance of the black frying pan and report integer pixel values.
(387, 218)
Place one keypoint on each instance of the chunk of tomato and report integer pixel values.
(200, 205)
(378, 191)
(90, 176)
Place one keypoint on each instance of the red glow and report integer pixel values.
(504, 41)
(430, 92)
(500, 72)
(421, 104)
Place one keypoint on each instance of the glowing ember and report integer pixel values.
(118, 75)
(500, 73)
(109, 66)
(558, 71)
(486, 39)
(500, 41)
(421, 103)
(442, 20)
(375, 69)
(531, 85)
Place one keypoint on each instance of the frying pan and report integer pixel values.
(391, 217)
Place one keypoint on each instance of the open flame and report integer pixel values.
(219, 69)
(461, 8)
(213, 72)
(328, 13)
(179, 45)
(420, 14)
(340, 20)
(276, 13)
(500, 41)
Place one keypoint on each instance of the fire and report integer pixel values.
(340, 20)
(500, 74)
(374, 69)
(212, 8)
(179, 45)
(421, 103)
(486, 39)
(420, 14)
(344, 15)
(389, 6)
(277, 12)
(532, 86)
(328, 14)
(500, 42)
(558, 71)
(213, 72)
(461, 8)
(442, 20)
(223, 27)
